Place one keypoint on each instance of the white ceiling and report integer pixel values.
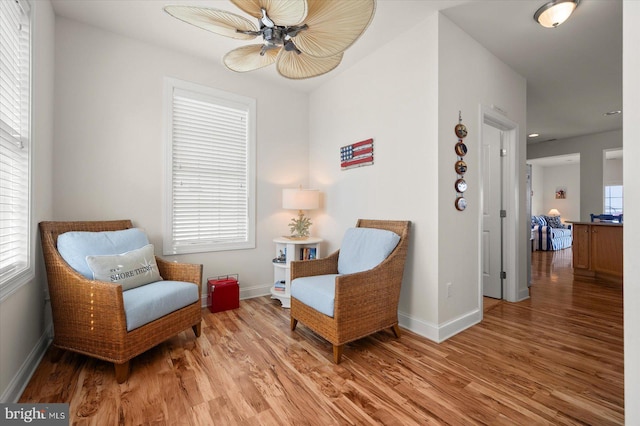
(573, 72)
(558, 160)
(145, 20)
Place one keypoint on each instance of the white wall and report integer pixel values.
(109, 141)
(631, 108)
(397, 106)
(537, 187)
(482, 80)
(410, 111)
(24, 318)
(567, 177)
(612, 173)
(591, 149)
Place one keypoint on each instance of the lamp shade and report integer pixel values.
(300, 199)
(553, 212)
(555, 12)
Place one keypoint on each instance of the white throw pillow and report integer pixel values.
(131, 269)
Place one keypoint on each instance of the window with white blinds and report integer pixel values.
(15, 82)
(210, 187)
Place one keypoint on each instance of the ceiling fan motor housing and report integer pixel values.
(274, 35)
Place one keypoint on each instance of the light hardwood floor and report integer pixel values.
(556, 358)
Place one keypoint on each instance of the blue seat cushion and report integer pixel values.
(152, 301)
(317, 292)
(365, 248)
(75, 246)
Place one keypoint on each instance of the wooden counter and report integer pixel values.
(597, 250)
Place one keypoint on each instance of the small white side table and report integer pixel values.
(290, 250)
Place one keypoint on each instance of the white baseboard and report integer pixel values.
(439, 333)
(456, 325)
(21, 379)
(523, 294)
(245, 293)
(256, 291)
(423, 328)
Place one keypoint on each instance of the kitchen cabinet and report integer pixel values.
(597, 251)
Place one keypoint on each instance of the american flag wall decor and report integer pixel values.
(356, 155)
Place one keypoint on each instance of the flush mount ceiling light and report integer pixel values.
(555, 12)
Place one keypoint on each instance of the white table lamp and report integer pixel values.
(300, 199)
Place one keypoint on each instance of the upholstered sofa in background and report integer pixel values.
(549, 233)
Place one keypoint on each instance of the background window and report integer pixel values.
(210, 170)
(613, 198)
(15, 217)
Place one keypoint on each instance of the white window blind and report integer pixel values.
(14, 143)
(211, 170)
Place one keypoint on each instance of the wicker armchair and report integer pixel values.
(88, 315)
(365, 302)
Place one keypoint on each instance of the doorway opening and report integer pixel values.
(507, 186)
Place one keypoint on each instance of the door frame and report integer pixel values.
(511, 183)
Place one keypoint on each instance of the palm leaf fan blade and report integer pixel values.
(248, 58)
(217, 21)
(296, 66)
(334, 25)
(281, 12)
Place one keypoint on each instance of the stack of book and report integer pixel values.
(279, 286)
(307, 253)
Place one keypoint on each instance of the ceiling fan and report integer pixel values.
(304, 38)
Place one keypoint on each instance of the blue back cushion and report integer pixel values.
(74, 247)
(365, 248)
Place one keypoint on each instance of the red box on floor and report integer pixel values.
(223, 294)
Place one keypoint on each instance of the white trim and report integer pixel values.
(255, 291)
(440, 332)
(245, 293)
(21, 379)
(511, 245)
(15, 283)
(459, 324)
(27, 273)
(423, 328)
(171, 84)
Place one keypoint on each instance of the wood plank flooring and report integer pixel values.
(556, 358)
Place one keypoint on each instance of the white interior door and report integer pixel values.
(491, 206)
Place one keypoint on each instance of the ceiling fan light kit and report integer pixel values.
(304, 38)
(555, 12)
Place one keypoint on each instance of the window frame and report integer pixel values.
(170, 247)
(24, 270)
(605, 198)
